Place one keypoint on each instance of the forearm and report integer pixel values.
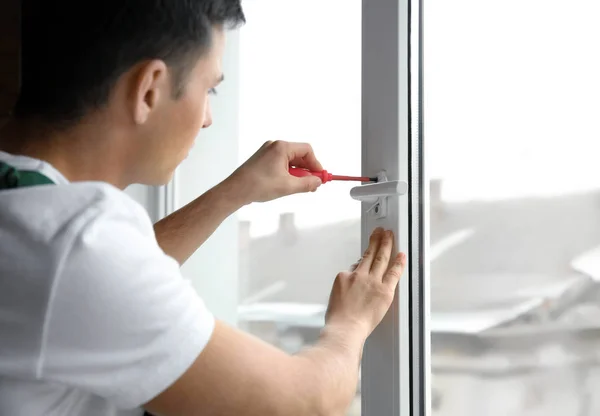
(321, 381)
(332, 367)
(181, 233)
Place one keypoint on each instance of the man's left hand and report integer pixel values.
(265, 176)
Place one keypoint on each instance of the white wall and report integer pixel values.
(213, 269)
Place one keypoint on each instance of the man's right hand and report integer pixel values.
(360, 298)
(265, 176)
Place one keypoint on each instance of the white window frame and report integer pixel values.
(157, 200)
(166, 197)
(395, 367)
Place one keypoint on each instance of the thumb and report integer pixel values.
(307, 184)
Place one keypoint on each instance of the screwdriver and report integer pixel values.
(326, 176)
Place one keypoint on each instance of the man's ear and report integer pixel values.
(149, 85)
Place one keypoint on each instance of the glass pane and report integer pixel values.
(300, 81)
(512, 108)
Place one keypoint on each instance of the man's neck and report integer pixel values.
(82, 153)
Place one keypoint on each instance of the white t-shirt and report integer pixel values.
(95, 319)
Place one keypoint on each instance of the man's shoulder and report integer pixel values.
(47, 212)
(82, 272)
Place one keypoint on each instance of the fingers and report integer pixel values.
(369, 255)
(381, 260)
(298, 154)
(305, 184)
(395, 271)
(266, 144)
(301, 155)
(376, 260)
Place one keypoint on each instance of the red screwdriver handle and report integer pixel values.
(300, 172)
(326, 176)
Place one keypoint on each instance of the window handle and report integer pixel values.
(377, 194)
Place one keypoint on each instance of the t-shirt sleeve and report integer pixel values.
(122, 322)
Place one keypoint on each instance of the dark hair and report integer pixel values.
(75, 50)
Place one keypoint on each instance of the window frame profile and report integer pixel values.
(395, 367)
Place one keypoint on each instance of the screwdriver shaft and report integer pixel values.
(351, 178)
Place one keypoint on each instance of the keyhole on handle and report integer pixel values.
(376, 209)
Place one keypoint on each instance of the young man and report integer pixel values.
(95, 318)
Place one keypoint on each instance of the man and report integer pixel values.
(95, 318)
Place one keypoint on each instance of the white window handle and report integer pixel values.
(378, 193)
(372, 192)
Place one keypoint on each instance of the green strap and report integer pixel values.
(11, 177)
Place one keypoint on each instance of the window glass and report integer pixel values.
(512, 113)
(300, 81)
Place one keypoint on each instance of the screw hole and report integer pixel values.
(376, 209)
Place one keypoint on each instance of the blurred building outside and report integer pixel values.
(515, 299)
